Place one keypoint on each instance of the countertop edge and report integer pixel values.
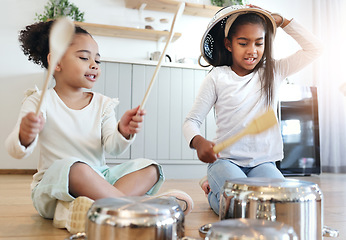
(154, 63)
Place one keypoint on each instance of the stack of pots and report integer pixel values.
(295, 203)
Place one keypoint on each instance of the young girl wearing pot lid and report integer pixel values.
(243, 84)
(74, 129)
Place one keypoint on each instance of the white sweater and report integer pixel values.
(237, 100)
(83, 134)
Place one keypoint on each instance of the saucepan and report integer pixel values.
(134, 218)
(293, 202)
(247, 229)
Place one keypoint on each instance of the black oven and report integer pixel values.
(298, 114)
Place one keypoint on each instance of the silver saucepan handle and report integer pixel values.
(203, 230)
(77, 236)
(329, 232)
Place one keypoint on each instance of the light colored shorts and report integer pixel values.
(54, 184)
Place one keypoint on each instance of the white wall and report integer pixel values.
(17, 74)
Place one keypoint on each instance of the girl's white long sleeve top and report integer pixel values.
(84, 134)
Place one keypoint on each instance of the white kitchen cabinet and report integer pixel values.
(170, 99)
(115, 82)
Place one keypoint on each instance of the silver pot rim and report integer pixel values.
(247, 228)
(275, 190)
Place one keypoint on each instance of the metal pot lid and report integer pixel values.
(250, 229)
(274, 189)
(218, 22)
(134, 210)
(136, 206)
(271, 183)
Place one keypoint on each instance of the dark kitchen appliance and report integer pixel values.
(300, 130)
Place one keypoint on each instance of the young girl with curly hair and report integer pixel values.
(74, 130)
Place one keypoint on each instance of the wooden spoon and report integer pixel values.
(258, 125)
(60, 37)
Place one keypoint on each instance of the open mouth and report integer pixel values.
(91, 77)
(250, 60)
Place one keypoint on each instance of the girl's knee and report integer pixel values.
(268, 170)
(80, 168)
(79, 172)
(152, 172)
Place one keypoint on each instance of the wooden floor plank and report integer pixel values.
(20, 221)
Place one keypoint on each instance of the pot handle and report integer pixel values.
(203, 230)
(169, 58)
(329, 232)
(77, 236)
(199, 62)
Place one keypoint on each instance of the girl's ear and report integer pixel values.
(57, 68)
(48, 58)
(228, 44)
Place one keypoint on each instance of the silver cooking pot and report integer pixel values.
(247, 229)
(135, 218)
(296, 203)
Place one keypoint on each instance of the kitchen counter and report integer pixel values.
(154, 63)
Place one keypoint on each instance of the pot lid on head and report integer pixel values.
(218, 22)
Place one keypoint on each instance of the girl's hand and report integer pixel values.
(204, 149)
(254, 6)
(130, 122)
(206, 187)
(30, 126)
(279, 20)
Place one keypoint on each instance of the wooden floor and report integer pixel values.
(20, 221)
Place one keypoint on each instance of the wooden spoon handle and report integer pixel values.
(60, 37)
(163, 54)
(44, 90)
(228, 142)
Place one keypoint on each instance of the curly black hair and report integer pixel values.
(34, 41)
